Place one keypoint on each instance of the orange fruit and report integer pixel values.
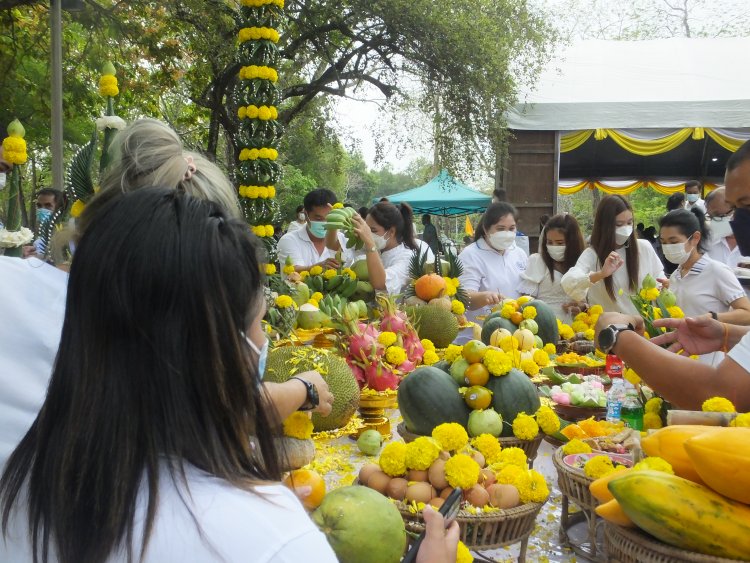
(516, 317)
(307, 478)
(476, 374)
(473, 351)
(477, 397)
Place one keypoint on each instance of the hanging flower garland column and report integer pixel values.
(14, 236)
(256, 99)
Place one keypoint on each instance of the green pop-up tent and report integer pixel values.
(444, 196)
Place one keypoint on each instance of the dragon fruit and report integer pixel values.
(359, 373)
(413, 347)
(361, 345)
(393, 320)
(380, 378)
(407, 367)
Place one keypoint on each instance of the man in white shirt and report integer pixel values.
(306, 247)
(723, 242)
(693, 189)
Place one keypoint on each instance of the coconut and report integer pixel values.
(309, 317)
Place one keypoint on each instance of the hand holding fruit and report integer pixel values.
(440, 543)
(343, 219)
(362, 231)
(324, 393)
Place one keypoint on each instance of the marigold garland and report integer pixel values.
(264, 113)
(258, 192)
(270, 269)
(257, 34)
(255, 154)
(462, 471)
(108, 85)
(255, 72)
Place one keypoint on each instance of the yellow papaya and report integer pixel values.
(684, 514)
(722, 459)
(599, 488)
(611, 511)
(669, 444)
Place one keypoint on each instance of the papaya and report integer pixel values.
(722, 459)
(684, 514)
(611, 511)
(599, 488)
(669, 444)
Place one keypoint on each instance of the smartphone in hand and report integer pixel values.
(449, 510)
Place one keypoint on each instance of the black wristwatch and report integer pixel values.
(608, 336)
(313, 400)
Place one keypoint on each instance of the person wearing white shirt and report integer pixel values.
(306, 247)
(492, 264)
(300, 220)
(723, 247)
(389, 244)
(702, 285)
(693, 189)
(562, 244)
(616, 263)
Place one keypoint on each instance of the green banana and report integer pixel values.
(351, 287)
(336, 215)
(334, 282)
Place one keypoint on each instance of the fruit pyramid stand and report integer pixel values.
(393, 383)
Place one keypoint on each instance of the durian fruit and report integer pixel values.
(286, 361)
(436, 324)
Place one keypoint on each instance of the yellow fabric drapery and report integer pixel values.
(627, 188)
(468, 229)
(647, 147)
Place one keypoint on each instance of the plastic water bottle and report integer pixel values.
(615, 398)
(631, 410)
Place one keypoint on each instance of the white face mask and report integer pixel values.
(502, 240)
(720, 228)
(380, 241)
(2, 180)
(676, 253)
(557, 253)
(622, 234)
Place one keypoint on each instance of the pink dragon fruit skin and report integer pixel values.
(393, 323)
(413, 347)
(359, 373)
(380, 378)
(407, 367)
(361, 346)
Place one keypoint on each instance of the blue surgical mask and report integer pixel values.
(692, 198)
(318, 229)
(262, 355)
(43, 215)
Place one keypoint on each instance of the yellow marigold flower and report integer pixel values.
(514, 456)
(529, 312)
(270, 269)
(497, 362)
(421, 453)
(451, 436)
(430, 357)
(541, 358)
(450, 290)
(317, 296)
(742, 420)
(596, 310)
(316, 270)
(529, 367)
(675, 312)
(550, 348)
(531, 486)
(350, 273)
(579, 326)
(457, 308)
(462, 471)
(452, 352)
(14, 149)
(393, 459)
(652, 421)
(631, 377)
(395, 355)
(463, 555)
(77, 208)
(523, 300)
(298, 425)
(508, 344)
(251, 111)
(651, 294)
(387, 338)
(108, 85)
(576, 446)
(269, 230)
(548, 420)
(657, 313)
(271, 192)
(488, 446)
(507, 310)
(653, 404)
(427, 344)
(598, 466)
(654, 464)
(284, 302)
(288, 269)
(566, 332)
(525, 427)
(329, 273)
(582, 316)
(338, 205)
(304, 274)
(509, 473)
(718, 404)
(313, 302)
(588, 334)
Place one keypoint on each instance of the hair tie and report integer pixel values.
(191, 168)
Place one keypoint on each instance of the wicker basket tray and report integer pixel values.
(628, 545)
(575, 414)
(573, 482)
(530, 447)
(486, 531)
(566, 370)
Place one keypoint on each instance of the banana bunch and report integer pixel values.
(341, 219)
(338, 307)
(341, 285)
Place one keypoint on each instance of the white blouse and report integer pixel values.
(396, 263)
(708, 286)
(537, 282)
(578, 286)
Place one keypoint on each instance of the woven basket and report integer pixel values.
(530, 447)
(628, 545)
(486, 531)
(573, 482)
(567, 370)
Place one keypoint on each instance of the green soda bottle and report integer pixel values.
(631, 412)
